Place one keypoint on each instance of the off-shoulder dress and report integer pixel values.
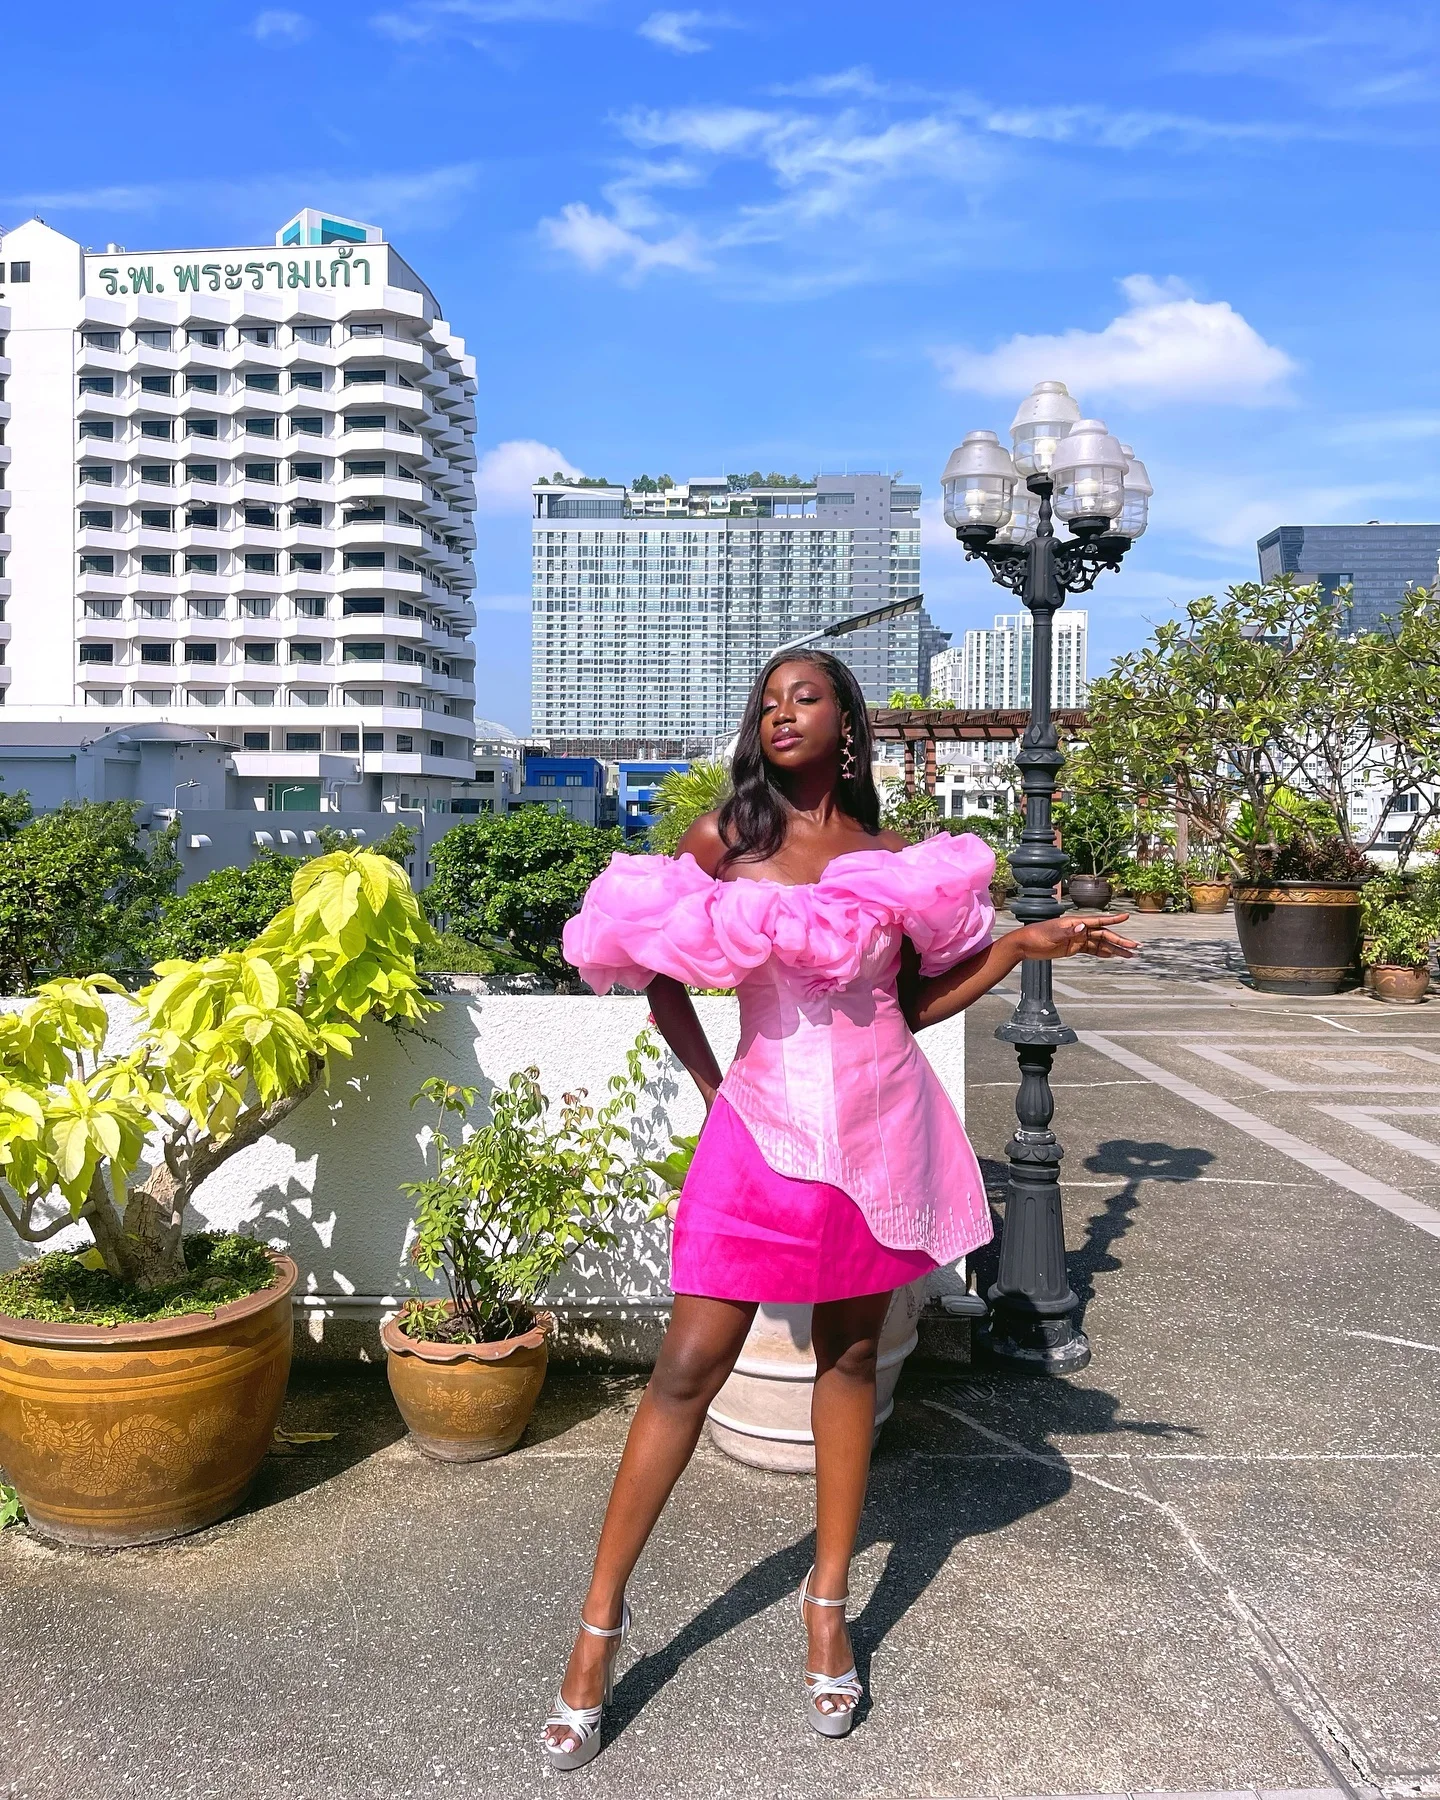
(832, 1163)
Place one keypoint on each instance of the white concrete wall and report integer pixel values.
(325, 1188)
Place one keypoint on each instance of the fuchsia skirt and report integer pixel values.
(744, 1232)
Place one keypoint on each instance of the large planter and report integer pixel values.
(762, 1414)
(1092, 890)
(1209, 896)
(467, 1402)
(1300, 937)
(127, 1434)
(1400, 985)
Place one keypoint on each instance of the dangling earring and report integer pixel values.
(849, 763)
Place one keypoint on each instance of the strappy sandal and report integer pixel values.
(583, 1723)
(833, 1720)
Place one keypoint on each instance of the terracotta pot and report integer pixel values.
(1150, 903)
(127, 1434)
(999, 896)
(762, 1414)
(1209, 896)
(467, 1402)
(1399, 985)
(1095, 891)
(1300, 937)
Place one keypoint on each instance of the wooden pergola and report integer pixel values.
(931, 725)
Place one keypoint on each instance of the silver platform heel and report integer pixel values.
(838, 1720)
(584, 1722)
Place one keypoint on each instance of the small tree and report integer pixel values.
(228, 1047)
(79, 891)
(512, 880)
(224, 910)
(684, 796)
(15, 812)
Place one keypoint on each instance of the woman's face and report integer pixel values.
(800, 719)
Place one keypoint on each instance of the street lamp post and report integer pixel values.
(1002, 507)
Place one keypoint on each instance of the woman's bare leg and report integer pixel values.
(701, 1345)
(846, 1336)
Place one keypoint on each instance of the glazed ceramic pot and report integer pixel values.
(467, 1402)
(1300, 937)
(1209, 896)
(1092, 891)
(127, 1434)
(1399, 985)
(762, 1414)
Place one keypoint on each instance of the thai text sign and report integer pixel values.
(160, 275)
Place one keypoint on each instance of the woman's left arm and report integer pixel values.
(927, 999)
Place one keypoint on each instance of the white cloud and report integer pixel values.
(680, 31)
(1166, 345)
(596, 240)
(505, 475)
(275, 26)
(429, 20)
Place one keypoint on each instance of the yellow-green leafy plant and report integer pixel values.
(227, 1047)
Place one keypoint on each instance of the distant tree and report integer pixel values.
(664, 483)
(80, 893)
(910, 702)
(559, 478)
(642, 484)
(15, 812)
(511, 880)
(735, 483)
(681, 798)
(225, 910)
(542, 481)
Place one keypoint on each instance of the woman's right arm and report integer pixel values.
(674, 1011)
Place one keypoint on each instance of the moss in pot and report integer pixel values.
(506, 1208)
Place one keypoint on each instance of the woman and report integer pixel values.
(832, 1167)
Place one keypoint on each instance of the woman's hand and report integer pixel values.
(1046, 940)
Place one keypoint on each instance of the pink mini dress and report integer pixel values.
(833, 1163)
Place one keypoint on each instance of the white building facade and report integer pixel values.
(240, 498)
(654, 610)
(991, 669)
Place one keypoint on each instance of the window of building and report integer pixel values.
(202, 381)
(364, 559)
(202, 562)
(157, 518)
(260, 562)
(202, 428)
(96, 519)
(310, 606)
(349, 740)
(259, 425)
(97, 475)
(202, 653)
(306, 378)
(162, 430)
(19, 272)
(262, 471)
(260, 653)
(157, 384)
(93, 562)
(157, 653)
(356, 606)
(158, 474)
(102, 696)
(365, 515)
(98, 428)
(437, 746)
(149, 607)
(364, 421)
(260, 515)
(308, 425)
(365, 467)
(404, 742)
(97, 384)
(304, 653)
(307, 471)
(372, 740)
(100, 340)
(209, 473)
(306, 562)
(157, 562)
(205, 696)
(150, 696)
(367, 328)
(255, 740)
(154, 337)
(364, 377)
(311, 334)
(264, 335)
(97, 653)
(266, 380)
(209, 337)
(205, 517)
(306, 513)
(254, 606)
(364, 652)
(205, 608)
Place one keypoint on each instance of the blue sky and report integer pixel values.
(695, 239)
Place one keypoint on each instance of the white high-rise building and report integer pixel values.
(654, 608)
(991, 670)
(239, 498)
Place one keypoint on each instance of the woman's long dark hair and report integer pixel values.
(753, 820)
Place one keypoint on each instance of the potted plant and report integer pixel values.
(1207, 879)
(1096, 830)
(1401, 922)
(140, 1380)
(1263, 715)
(506, 1207)
(1152, 884)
